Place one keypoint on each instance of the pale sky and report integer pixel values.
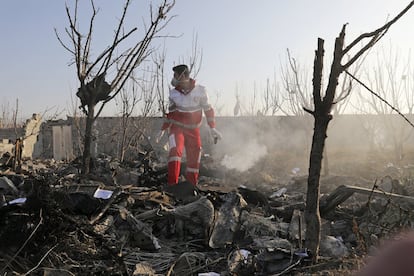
(243, 41)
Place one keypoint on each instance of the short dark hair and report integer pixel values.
(181, 69)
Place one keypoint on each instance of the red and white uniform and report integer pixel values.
(184, 121)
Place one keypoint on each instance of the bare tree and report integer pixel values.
(128, 101)
(297, 95)
(295, 83)
(271, 98)
(265, 100)
(92, 72)
(237, 106)
(143, 101)
(323, 105)
(193, 60)
(160, 83)
(218, 107)
(10, 116)
(77, 118)
(392, 79)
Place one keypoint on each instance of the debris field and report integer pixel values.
(122, 220)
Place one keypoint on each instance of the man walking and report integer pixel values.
(187, 101)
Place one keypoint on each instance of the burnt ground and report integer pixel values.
(61, 229)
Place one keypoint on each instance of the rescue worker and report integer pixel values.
(187, 101)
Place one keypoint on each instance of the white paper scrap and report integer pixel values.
(103, 194)
(18, 200)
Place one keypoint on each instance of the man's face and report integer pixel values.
(180, 77)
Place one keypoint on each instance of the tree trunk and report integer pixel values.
(325, 162)
(322, 117)
(312, 216)
(86, 158)
(124, 126)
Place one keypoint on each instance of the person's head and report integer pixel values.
(181, 74)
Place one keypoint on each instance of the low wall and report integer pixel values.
(359, 134)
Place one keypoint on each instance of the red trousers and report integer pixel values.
(180, 138)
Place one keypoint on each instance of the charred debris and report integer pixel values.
(122, 220)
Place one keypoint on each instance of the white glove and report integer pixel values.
(215, 135)
(159, 136)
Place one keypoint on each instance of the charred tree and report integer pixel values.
(322, 116)
(102, 78)
(90, 94)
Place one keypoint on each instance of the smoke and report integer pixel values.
(247, 140)
(244, 159)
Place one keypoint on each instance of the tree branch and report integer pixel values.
(375, 36)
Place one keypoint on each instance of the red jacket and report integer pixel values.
(185, 107)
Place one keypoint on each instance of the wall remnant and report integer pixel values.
(29, 134)
(62, 139)
(31, 130)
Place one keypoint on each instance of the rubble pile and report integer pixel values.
(122, 221)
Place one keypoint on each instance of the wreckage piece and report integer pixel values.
(184, 191)
(6, 160)
(255, 226)
(278, 261)
(114, 196)
(201, 209)
(241, 262)
(78, 203)
(255, 198)
(227, 221)
(124, 177)
(276, 255)
(154, 197)
(343, 192)
(94, 91)
(199, 213)
(56, 272)
(286, 212)
(333, 247)
(202, 206)
(102, 227)
(142, 269)
(275, 259)
(283, 207)
(7, 186)
(141, 235)
(271, 243)
(196, 218)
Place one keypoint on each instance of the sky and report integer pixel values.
(243, 42)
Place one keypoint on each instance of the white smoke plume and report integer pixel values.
(244, 159)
